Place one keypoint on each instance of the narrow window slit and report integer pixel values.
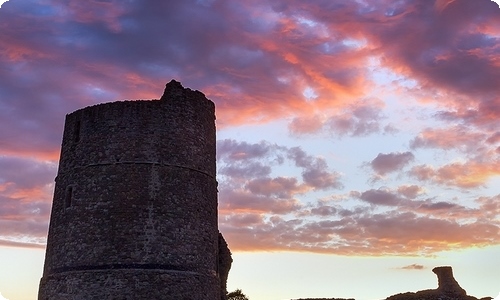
(68, 197)
(77, 131)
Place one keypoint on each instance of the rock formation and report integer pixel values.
(447, 285)
(448, 289)
(224, 265)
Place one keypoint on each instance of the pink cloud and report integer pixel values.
(457, 137)
(360, 118)
(305, 125)
(410, 191)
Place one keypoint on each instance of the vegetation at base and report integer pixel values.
(236, 295)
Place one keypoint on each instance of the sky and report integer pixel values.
(358, 141)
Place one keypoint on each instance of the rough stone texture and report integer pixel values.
(447, 284)
(134, 213)
(225, 261)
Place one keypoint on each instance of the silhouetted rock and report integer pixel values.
(447, 284)
(448, 289)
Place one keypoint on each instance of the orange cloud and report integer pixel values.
(471, 174)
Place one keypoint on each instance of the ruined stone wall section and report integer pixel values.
(225, 261)
(136, 190)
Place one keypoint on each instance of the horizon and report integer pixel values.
(355, 140)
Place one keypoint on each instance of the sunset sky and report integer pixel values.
(358, 140)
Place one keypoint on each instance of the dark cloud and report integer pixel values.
(324, 211)
(281, 187)
(245, 184)
(264, 56)
(438, 206)
(446, 51)
(413, 267)
(391, 162)
(315, 172)
(249, 170)
(243, 201)
(235, 150)
(380, 197)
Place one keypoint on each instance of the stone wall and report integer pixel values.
(224, 265)
(135, 202)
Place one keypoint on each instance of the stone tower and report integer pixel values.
(134, 214)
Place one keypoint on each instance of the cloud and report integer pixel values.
(324, 211)
(380, 197)
(413, 267)
(410, 191)
(467, 175)
(249, 170)
(448, 56)
(306, 125)
(325, 67)
(264, 54)
(26, 173)
(245, 161)
(243, 201)
(389, 233)
(457, 137)
(281, 187)
(26, 187)
(315, 172)
(242, 150)
(391, 162)
(245, 184)
(406, 225)
(358, 119)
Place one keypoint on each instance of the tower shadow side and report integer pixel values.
(134, 213)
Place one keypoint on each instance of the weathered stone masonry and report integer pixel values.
(134, 214)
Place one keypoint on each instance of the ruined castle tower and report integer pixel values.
(134, 214)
